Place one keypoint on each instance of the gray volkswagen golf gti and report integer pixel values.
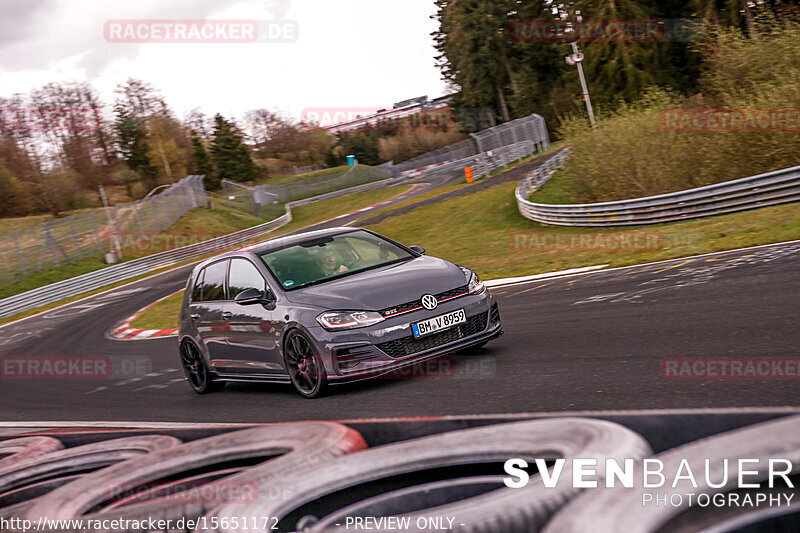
(327, 307)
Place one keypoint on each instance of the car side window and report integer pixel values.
(197, 292)
(214, 281)
(244, 275)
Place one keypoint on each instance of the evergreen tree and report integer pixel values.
(474, 52)
(364, 144)
(201, 163)
(229, 155)
(618, 68)
(132, 146)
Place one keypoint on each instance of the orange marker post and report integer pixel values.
(468, 174)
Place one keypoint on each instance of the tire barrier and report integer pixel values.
(621, 509)
(507, 510)
(16, 451)
(317, 477)
(296, 447)
(23, 482)
(81, 459)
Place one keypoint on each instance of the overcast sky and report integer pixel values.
(349, 53)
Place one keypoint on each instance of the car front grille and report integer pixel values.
(410, 345)
(408, 306)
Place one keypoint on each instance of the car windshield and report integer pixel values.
(320, 260)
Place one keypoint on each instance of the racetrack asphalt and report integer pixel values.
(592, 341)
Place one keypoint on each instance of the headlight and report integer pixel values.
(474, 283)
(335, 320)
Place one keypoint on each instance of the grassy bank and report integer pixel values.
(280, 179)
(162, 312)
(742, 123)
(559, 190)
(485, 231)
(308, 215)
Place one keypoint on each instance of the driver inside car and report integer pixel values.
(330, 263)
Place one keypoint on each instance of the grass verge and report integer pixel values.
(308, 215)
(559, 190)
(160, 313)
(485, 231)
(279, 179)
(463, 183)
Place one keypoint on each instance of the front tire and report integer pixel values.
(196, 370)
(304, 366)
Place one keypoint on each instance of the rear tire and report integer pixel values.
(196, 370)
(304, 366)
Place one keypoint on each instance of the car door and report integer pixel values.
(208, 309)
(253, 339)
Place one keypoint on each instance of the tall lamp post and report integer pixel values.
(576, 58)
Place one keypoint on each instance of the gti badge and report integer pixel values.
(429, 302)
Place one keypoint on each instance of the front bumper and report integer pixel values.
(367, 353)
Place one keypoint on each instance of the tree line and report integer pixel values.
(491, 66)
(57, 147)
(60, 142)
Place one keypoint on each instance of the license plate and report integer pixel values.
(438, 323)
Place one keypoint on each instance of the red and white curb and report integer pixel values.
(125, 332)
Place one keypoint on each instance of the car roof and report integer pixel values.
(279, 242)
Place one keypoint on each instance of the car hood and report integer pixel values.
(383, 287)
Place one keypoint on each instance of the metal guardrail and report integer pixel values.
(484, 163)
(772, 188)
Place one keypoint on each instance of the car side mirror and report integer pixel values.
(419, 249)
(253, 296)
